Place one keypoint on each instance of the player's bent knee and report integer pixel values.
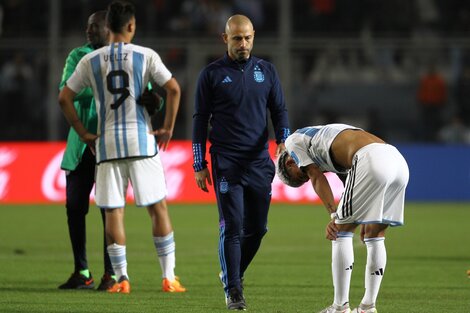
(375, 230)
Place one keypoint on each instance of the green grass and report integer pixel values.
(427, 261)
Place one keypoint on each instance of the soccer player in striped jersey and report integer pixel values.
(374, 197)
(125, 145)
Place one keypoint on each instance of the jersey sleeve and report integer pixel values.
(79, 78)
(277, 108)
(158, 71)
(298, 151)
(202, 113)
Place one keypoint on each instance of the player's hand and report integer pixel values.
(152, 101)
(163, 137)
(90, 140)
(280, 147)
(331, 230)
(202, 179)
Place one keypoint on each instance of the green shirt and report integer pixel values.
(85, 106)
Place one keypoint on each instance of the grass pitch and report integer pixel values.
(426, 269)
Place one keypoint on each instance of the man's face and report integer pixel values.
(294, 171)
(96, 31)
(239, 40)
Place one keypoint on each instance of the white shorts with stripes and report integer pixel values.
(375, 187)
(145, 174)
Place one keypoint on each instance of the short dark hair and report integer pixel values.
(119, 13)
(100, 15)
(283, 174)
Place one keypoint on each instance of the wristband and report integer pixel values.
(333, 215)
(199, 166)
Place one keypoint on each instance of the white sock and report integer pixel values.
(375, 268)
(342, 261)
(117, 255)
(165, 247)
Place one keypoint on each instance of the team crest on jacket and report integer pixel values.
(223, 186)
(258, 75)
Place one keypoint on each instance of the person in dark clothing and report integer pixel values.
(79, 164)
(235, 93)
(432, 99)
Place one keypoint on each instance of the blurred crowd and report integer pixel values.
(394, 69)
(187, 17)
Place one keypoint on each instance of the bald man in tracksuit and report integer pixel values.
(235, 93)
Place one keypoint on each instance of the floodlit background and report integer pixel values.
(355, 61)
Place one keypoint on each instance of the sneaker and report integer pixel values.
(365, 309)
(122, 286)
(107, 281)
(172, 286)
(337, 309)
(235, 300)
(78, 281)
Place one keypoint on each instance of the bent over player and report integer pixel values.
(125, 145)
(374, 196)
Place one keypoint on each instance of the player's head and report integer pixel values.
(96, 32)
(288, 171)
(239, 36)
(120, 18)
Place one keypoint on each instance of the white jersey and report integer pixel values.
(118, 74)
(311, 145)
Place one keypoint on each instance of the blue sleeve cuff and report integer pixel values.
(199, 166)
(282, 135)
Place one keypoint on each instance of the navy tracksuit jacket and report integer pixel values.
(235, 98)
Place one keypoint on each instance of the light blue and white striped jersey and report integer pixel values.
(118, 74)
(312, 145)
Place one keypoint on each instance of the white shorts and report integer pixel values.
(375, 188)
(145, 174)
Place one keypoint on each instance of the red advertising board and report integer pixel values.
(30, 173)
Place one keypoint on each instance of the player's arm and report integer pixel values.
(76, 82)
(202, 113)
(280, 148)
(162, 77)
(323, 190)
(173, 95)
(66, 97)
(321, 186)
(70, 64)
(277, 108)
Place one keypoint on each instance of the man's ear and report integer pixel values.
(224, 37)
(130, 27)
(290, 161)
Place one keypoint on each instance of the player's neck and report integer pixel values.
(120, 38)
